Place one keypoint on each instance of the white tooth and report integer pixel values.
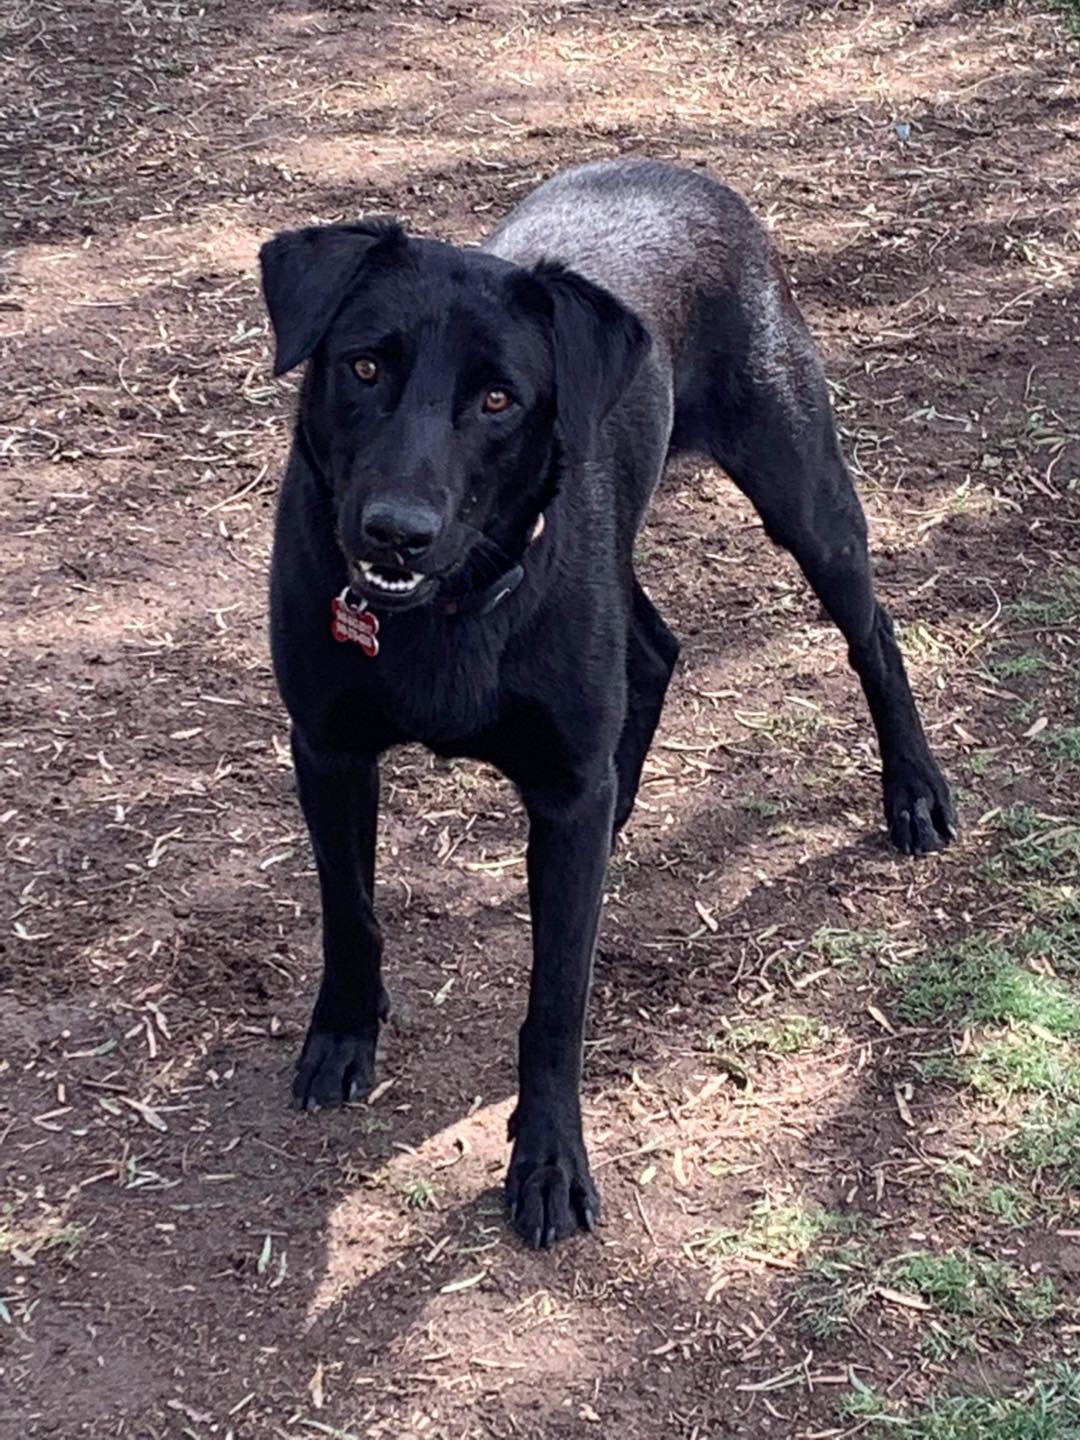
(409, 582)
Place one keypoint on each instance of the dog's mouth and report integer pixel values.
(389, 579)
(389, 586)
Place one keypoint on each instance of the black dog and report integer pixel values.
(479, 434)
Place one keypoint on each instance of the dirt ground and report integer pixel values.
(783, 1111)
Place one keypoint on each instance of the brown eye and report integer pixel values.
(495, 401)
(366, 368)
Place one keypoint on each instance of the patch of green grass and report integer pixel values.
(973, 1299)
(419, 1194)
(1048, 1409)
(1049, 936)
(1025, 1055)
(1018, 819)
(1059, 903)
(838, 1285)
(1033, 1080)
(834, 945)
(796, 724)
(1040, 846)
(1015, 667)
(980, 761)
(942, 1065)
(1048, 1139)
(947, 1281)
(726, 1061)
(866, 1403)
(43, 1236)
(919, 640)
(976, 1298)
(776, 1227)
(1053, 607)
(1006, 1204)
(1041, 849)
(70, 1237)
(1058, 941)
(1071, 10)
(1055, 851)
(980, 982)
(969, 1193)
(844, 947)
(758, 805)
(784, 1035)
(1066, 744)
(962, 1283)
(1026, 1061)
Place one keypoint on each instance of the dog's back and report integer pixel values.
(652, 234)
(689, 257)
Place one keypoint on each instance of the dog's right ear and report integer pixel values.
(597, 343)
(306, 274)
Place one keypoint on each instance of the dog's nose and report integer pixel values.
(403, 527)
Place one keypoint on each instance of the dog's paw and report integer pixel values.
(334, 1069)
(549, 1192)
(918, 808)
(337, 1063)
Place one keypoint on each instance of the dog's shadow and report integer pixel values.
(368, 1239)
(412, 1208)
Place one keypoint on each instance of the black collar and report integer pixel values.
(484, 601)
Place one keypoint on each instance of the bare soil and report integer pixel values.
(180, 1254)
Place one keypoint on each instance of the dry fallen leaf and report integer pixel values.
(707, 916)
(903, 1107)
(880, 1017)
(455, 1285)
(898, 1297)
(315, 1387)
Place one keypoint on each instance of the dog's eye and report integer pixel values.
(496, 401)
(367, 370)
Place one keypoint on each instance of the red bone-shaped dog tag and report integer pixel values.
(354, 623)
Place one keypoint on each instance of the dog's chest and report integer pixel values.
(441, 691)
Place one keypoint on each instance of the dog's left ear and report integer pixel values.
(306, 274)
(599, 345)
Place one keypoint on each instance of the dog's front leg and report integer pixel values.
(339, 795)
(549, 1190)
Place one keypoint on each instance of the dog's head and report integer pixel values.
(445, 390)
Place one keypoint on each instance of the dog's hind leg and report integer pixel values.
(764, 415)
(340, 798)
(651, 653)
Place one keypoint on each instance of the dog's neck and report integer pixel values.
(484, 601)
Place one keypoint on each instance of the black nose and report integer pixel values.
(403, 527)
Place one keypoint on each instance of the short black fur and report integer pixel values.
(461, 416)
